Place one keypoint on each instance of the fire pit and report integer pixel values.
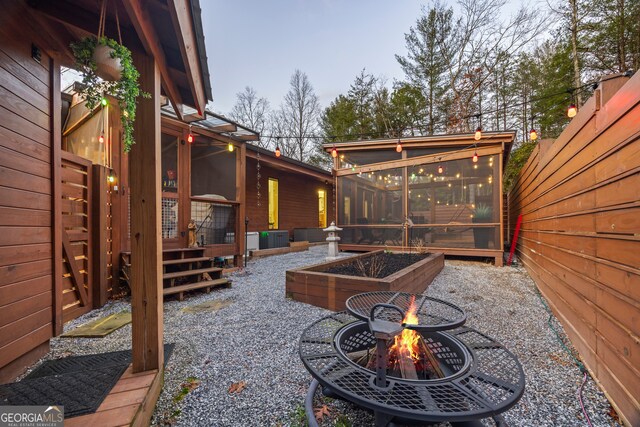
(409, 359)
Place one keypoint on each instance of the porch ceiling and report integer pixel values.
(170, 31)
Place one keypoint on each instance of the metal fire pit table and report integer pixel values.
(481, 378)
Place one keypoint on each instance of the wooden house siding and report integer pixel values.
(297, 198)
(580, 200)
(27, 306)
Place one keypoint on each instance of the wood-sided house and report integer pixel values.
(46, 229)
(293, 195)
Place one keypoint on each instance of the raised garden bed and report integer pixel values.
(322, 285)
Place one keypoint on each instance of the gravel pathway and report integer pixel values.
(248, 336)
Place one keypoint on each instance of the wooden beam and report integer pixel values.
(99, 235)
(183, 28)
(241, 187)
(146, 245)
(488, 138)
(146, 32)
(431, 158)
(56, 194)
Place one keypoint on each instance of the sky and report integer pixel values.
(260, 43)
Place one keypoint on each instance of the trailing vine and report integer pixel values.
(126, 90)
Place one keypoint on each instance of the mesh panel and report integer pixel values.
(215, 222)
(169, 218)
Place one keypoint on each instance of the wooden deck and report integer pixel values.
(130, 403)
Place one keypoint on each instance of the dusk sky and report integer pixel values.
(261, 43)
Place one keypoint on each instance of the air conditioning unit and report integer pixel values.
(253, 242)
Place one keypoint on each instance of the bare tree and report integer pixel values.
(298, 118)
(251, 111)
(477, 46)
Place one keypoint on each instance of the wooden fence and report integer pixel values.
(580, 239)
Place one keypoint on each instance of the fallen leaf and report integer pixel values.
(237, 387)
(321, 412)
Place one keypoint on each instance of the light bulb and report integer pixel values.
(572, 110)
(440, 169)
(334, 152)
(101, 139)
(533, 134)
(277, 151)
(399, 147)
(190, 138)
(230, 147)
(475, 157)
(478, 134)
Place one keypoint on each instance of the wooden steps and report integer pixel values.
(183, 270)
(185, 273)
(206, 285)
(183, 260)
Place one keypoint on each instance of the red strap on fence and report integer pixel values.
(515, 239)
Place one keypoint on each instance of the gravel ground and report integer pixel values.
(251, 337)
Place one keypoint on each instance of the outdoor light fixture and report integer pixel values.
(572, 111)
(190, 137)
(111, 178)
(334, 152)
(230, 147)
(478, 134)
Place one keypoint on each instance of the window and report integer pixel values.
(273, 204)
(322, 208)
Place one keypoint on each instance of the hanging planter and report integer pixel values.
(108, 64)
(115, 59)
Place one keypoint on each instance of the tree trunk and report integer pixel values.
(577, 81)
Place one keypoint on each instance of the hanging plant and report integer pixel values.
(94, 88)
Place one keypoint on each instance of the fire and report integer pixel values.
(407, 343)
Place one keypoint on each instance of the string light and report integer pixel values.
(533, 134)
(399, 144)
(440, 169)
(572, 111)
(230, 147)
(475, 157)
(334, 152)
(104, 101)
(101, 138)
(278, 147)
(478, 134)
(190, 137)
(111, 178)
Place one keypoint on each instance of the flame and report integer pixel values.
(406, 344)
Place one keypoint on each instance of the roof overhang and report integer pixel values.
(459, 141)
(288, 164)
(170, 31)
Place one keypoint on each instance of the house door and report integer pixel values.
(75, 188)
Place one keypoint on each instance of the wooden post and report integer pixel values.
(99, 230)
(56, 166)
(241, 173)
(146, 244)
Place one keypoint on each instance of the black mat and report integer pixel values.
(81, 392)
(92, 361)
(79, 383)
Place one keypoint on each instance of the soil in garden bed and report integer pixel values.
(377, 266)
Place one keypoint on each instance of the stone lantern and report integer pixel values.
(333, 240)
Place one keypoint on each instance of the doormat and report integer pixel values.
(81, 392)
(101, 327)
(79, 383)
(92, 361)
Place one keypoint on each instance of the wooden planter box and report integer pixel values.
(313, 286)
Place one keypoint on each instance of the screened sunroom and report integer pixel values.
(431, 193)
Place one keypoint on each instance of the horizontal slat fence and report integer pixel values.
(580, 238)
